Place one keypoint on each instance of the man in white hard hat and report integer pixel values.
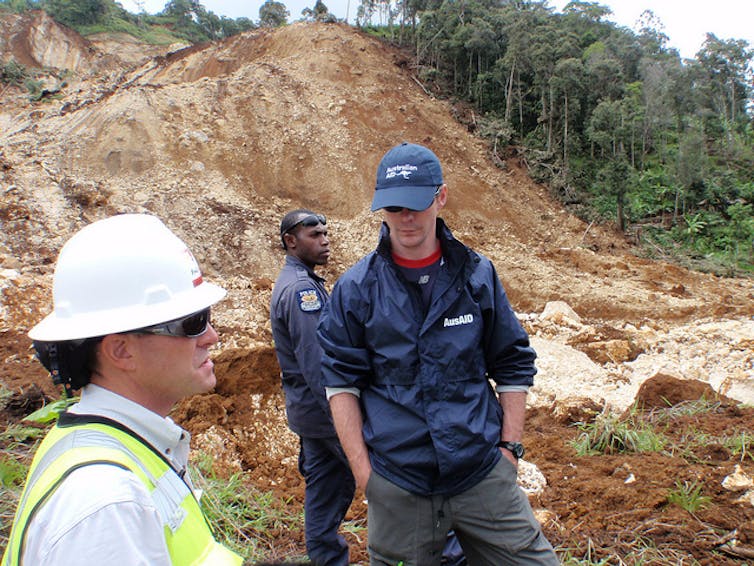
(130, 328)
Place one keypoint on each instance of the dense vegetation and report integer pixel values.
(619, 125)
(180, 20)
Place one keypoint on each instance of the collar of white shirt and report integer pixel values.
(161, 432)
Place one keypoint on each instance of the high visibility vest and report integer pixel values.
(78, 441)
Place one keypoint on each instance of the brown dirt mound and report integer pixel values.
(662, 391)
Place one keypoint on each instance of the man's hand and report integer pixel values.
(509, 455)
(346, 414)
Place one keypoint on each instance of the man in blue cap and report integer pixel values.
(412, 337)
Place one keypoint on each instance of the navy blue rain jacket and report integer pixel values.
(297, 300)
(431, 417)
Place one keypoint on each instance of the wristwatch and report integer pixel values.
(516, 448)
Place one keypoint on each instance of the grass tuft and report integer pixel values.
(611, 434)
(688, 496)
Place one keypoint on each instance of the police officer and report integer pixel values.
(298, 297)
(130, 328)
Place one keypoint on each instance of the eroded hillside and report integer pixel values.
(220, 140)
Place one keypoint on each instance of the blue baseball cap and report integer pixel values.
(407, 176)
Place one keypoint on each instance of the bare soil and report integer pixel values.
(221, 139)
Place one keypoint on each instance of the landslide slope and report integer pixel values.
(220, 139)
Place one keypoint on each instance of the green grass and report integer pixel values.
(17, 433)
(355, 528)
(644, 552)
(243, 517)
(688, 496)
(682, 409)
(570, 557)
(153, 35)
(638, 551)
(12, 72)
(14, 465)
(12, 472)
(612, 434)
(741, 443)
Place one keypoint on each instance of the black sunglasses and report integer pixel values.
(191, 326)
(395, 209)
(307, 221)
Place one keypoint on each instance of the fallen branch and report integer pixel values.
(583, 237)
(739, 551)
(422, 86)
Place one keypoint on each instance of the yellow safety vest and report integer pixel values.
(67, 447)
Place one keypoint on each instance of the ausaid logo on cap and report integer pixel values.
(196, 274)
(404, 170)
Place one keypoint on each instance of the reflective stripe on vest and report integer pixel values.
(187, 534)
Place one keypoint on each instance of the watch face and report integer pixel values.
(516, 448)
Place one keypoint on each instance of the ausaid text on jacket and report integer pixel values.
(463, 319)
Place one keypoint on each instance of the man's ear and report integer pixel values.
(118, 350)
(290, 240)
(442, 197)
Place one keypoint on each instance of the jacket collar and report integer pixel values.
(453, 251)
(296, 263)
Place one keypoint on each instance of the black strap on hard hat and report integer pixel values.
(68, 362)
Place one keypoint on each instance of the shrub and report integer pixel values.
(12, 73)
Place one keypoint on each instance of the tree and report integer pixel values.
(190, 20)
(604, 72)
(77, 13)
(727, 81)
(615, 178)
(567, 83)
(592, 11)
(319, 13)
(651, 33)
(18, 6)
(273, 14)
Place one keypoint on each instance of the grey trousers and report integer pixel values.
(493, 521)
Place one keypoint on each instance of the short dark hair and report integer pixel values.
(290, 220)
(69, 362)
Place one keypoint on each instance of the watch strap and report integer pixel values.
(515, 448)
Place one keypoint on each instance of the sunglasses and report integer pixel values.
(191, 326)
(307, 221)
(395, 209)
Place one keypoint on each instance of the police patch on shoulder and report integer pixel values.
(308, 300)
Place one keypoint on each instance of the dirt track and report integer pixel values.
(220, 140)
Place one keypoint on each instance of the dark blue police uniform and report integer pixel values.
(298, 297)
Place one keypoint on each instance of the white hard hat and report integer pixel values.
(123, 273)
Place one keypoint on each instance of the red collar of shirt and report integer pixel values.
(418, 263)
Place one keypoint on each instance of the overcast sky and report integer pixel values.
(686, 21)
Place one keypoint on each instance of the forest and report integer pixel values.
(622, 129)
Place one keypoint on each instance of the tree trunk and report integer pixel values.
(509, 93)
(621, 219)
(565, 131)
